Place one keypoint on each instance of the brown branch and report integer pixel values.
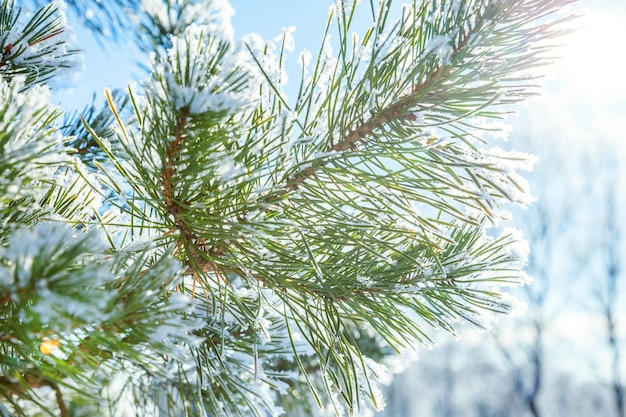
(5, 54)
(197, 251)
(45, 38)
(169, 168)
(86, 148)
(59, 396)
(399, 111)
(5, 298)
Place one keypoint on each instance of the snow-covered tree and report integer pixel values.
(207, 245)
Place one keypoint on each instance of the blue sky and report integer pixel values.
(113, 66)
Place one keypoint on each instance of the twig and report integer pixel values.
(398, 111)
(59, 396)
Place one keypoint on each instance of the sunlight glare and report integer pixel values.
(594, 56)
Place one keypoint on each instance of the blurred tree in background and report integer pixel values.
(206, 245)
(565, 356)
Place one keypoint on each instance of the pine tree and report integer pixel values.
(205, 245)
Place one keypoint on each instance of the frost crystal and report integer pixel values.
(175, 16)
(440, 46)
(287, 38)
(202, 73)
(305, 58)
(517, 248)
(38, 259)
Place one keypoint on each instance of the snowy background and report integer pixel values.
(558, 359)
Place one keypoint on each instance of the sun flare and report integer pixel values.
(594, 56)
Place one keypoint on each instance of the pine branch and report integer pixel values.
(398, 112)
(39, 49)
(31, 379)
(286, 252)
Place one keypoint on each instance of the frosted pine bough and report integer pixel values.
(206, 245)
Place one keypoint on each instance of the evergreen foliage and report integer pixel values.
(205, 245)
